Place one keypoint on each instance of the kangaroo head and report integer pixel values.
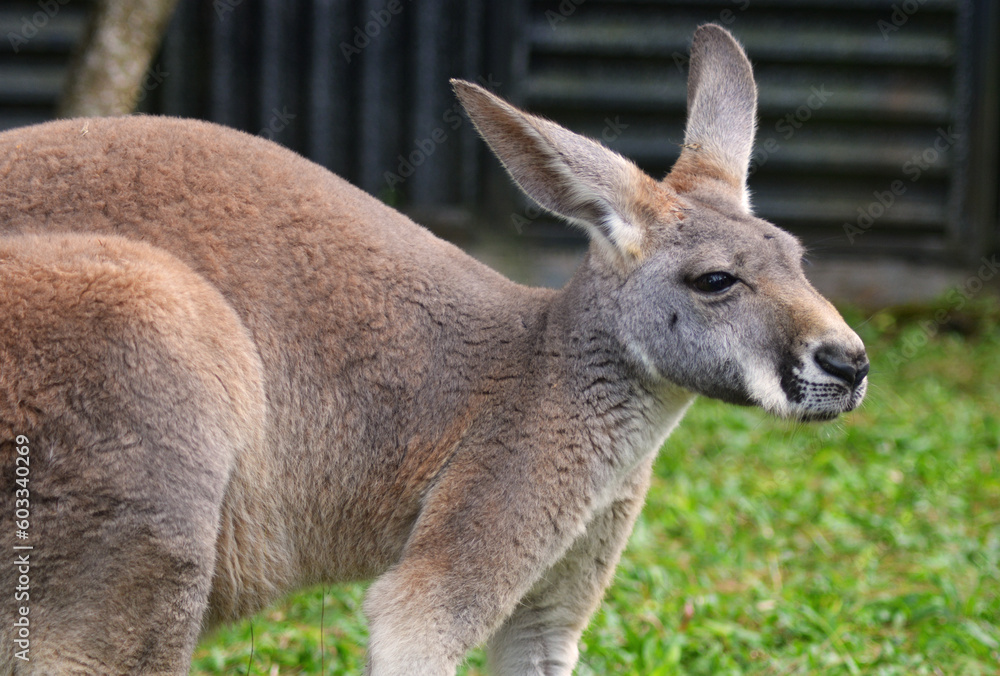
(703, 294)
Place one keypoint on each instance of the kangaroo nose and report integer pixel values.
(834, 360)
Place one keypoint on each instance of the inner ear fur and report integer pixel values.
(569, 175)
(722, 117)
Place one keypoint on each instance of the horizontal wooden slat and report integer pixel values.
(26, 29)
(817, 148)
(895, 96)
(31, 84)
(655, 31)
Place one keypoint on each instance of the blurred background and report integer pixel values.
(866, 546)
(877, 141)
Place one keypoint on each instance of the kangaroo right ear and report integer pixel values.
(722, 115)
(567, 174)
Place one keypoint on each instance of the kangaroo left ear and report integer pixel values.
(567, 174)
(722, 115)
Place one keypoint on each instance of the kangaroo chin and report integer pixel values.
(234, 375)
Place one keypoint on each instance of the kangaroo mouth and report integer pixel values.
(816, 395)
(809, 417)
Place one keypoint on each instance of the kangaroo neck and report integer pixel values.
(629, 409)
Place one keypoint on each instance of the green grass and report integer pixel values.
(870, 545)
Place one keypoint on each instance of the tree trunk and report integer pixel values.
(110, 69)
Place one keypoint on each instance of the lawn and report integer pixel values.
(870, 545)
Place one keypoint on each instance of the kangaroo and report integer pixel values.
(226, 374)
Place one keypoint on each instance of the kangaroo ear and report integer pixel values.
(722, 115)
(569, 175)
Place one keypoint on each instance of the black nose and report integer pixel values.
(835, 361)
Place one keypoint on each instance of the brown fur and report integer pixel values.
(240, 375)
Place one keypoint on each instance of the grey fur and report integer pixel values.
(240, 375)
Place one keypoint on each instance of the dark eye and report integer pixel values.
(714, 282)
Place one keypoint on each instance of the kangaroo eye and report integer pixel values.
(714, 282)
